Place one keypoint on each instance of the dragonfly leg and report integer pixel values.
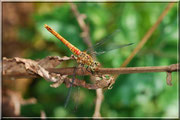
(81, 65)
(91, 71)
(88, 69)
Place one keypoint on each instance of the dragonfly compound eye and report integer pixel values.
(96, 63)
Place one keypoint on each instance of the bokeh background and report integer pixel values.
(133, 95)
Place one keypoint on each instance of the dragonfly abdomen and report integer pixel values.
(73, 49)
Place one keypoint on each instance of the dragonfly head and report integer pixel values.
(95, 65)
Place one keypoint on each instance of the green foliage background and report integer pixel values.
(133, 95)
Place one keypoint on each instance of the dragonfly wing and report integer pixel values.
(110, 49)
(70, 89)
(104, 40)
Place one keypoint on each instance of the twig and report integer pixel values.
(147, 35)
(85, 29)
(169, 79)
(12, 101)
(43, 115)
(127, 70)
(86, 37)
(99, 100)
(13, 68)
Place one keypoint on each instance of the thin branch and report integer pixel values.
(15, 68)
(12, 101)
(99, 100)
(43, 115)
(21, 71)
(85, 28)
(147, 35)
(86, 37)
(127, 70)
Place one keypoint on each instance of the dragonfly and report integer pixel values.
(83, 58)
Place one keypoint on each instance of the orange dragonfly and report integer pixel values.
(83, 58)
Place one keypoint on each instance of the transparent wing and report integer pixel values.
(104, 40)
(99, 52)
(70, 89)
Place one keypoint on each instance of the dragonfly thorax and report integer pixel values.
(86, 60)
